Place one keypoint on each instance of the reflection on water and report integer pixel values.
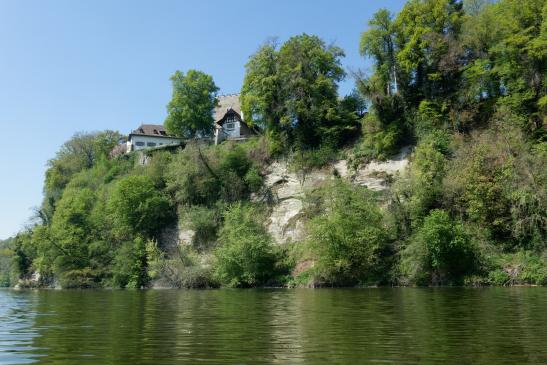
(338, 326)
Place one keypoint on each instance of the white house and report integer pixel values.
(149, 136)
(228, 118)
(228, 125)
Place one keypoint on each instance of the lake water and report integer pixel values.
(278, 326)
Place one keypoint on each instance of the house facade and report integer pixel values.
(228, 125)
(228, 119)
(150, 136)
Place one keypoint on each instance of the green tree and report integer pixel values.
(130, 265)
(294, 90)
(245, 256)
(379, 43)
(260, 94)
(429, 52)
(81, 152)
(190, 111)
(309, 72)
(348, 237)
(440, 252)
(136, 206)
(6, 256)
(71, 230)
(24, 252)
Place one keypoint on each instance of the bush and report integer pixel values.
(497, 181)
(136, 206)
(205, 223)
(379, 141)
(348, 237)
(245, 256)
(79, 279)
(421, 188)
(524, 267)
(202, 176)
(309, 159)
(181, 269)
(440, 252)
(130, 265)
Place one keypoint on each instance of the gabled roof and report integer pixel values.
(225, 103)
(228, 113)
(153, 130)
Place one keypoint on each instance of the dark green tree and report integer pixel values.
(295, 90)
(441, 252)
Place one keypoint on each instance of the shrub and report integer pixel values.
(190, 177)
(348, 236)
(202, 176)
(421, 188)
(440, 252)
(79, 279)
(130, 265)
(136, 206)
(304, 160)
(204, 222)
(245, 256)
(524, 267)
(497, 181)
(181, 269)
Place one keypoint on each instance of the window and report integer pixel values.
(229, 126)
(151, 144)
(139, 144)
(161, 144)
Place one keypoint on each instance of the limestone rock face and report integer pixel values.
(186, 236)
(284, 225)
(375, 174)
(288, 189)
(171, 237)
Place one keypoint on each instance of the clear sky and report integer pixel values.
(69, 66)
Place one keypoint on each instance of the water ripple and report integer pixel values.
(365, 326)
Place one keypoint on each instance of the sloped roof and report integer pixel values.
(226, 102)
(151, 130)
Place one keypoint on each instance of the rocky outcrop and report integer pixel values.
(287, 189)
(375, 175)
(173, 236)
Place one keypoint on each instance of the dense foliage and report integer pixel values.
(245, 256)
(190, 109)
(293, 92)
(348, 236)
(463, 84)
(5, 263)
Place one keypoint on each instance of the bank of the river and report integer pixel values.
(432, 172)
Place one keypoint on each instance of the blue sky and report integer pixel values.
(69, 66)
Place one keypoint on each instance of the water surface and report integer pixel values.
(300, 326)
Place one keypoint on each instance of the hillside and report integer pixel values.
(432, 172)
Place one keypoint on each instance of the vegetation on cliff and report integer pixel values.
(463, 83)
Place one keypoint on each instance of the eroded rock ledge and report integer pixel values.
(288, 189)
